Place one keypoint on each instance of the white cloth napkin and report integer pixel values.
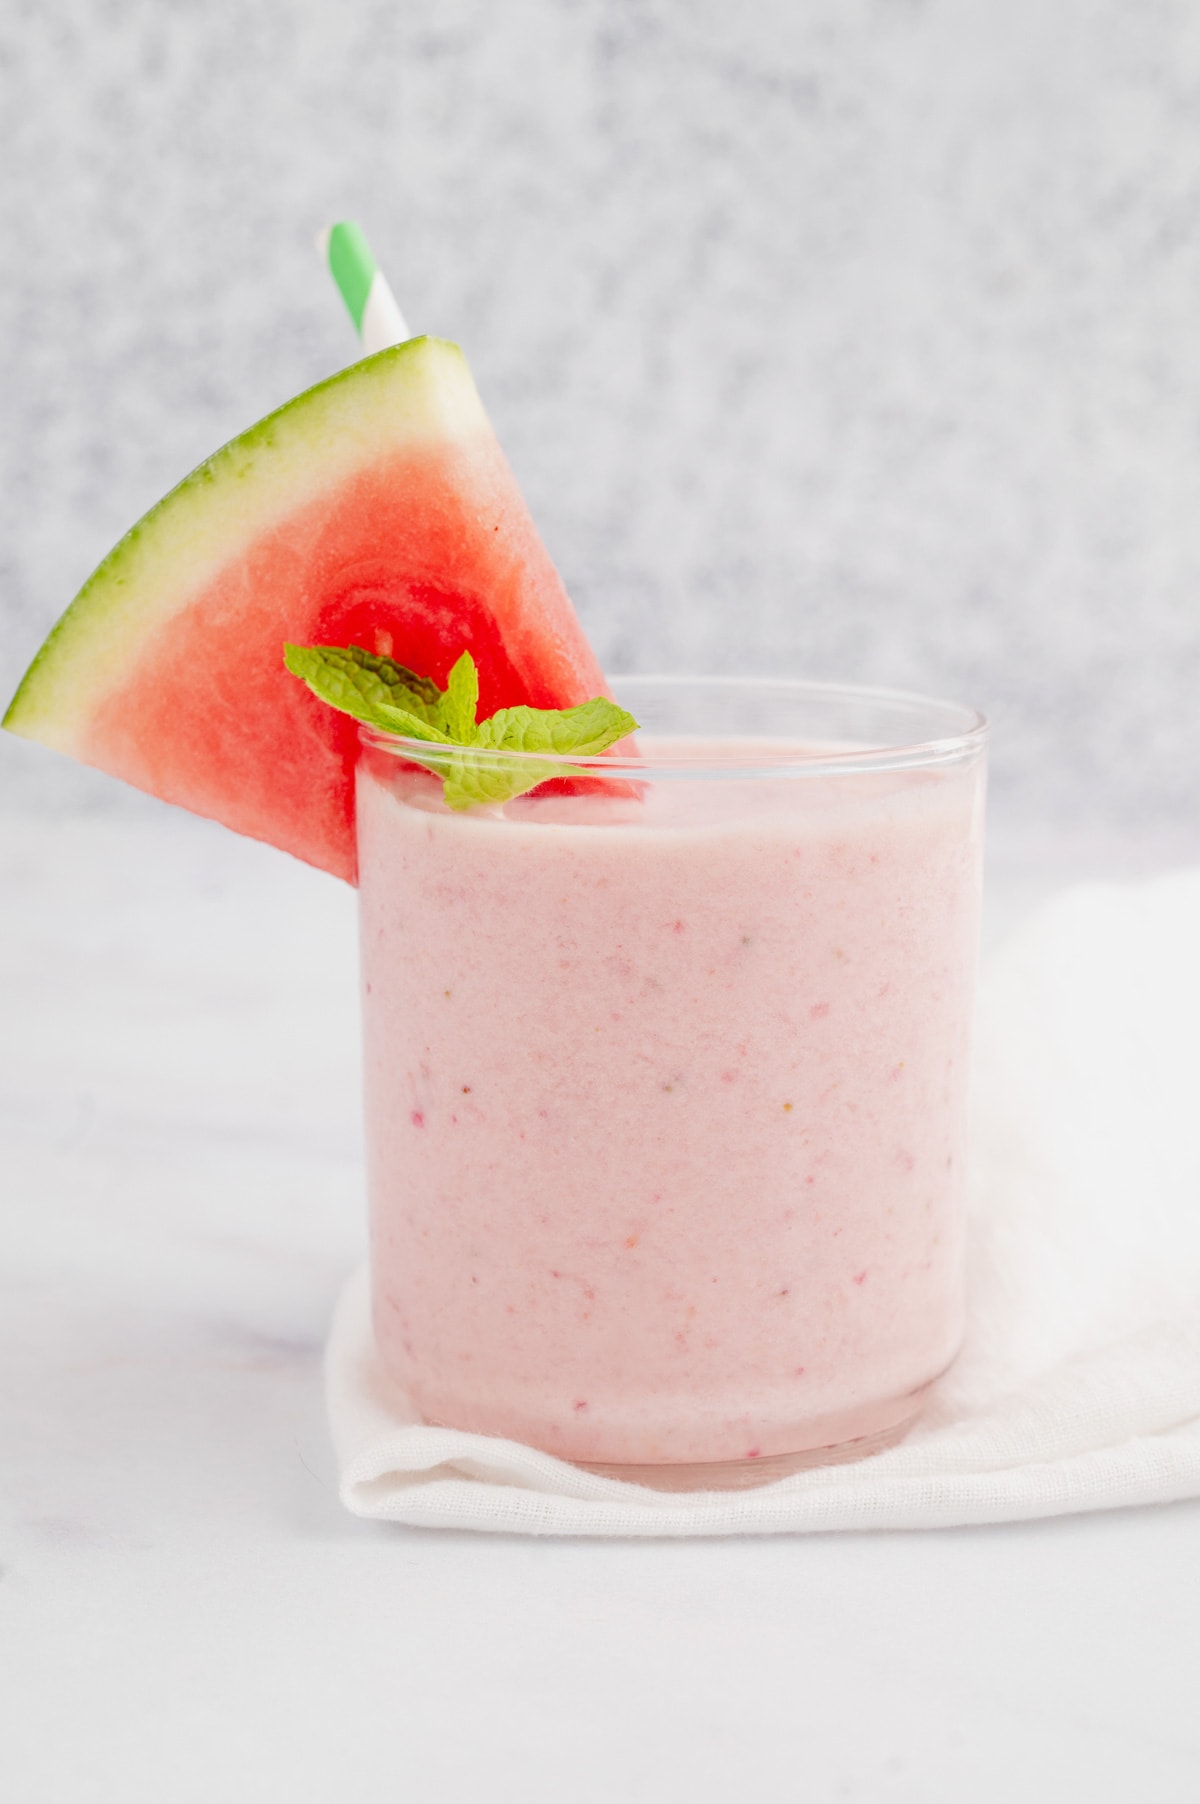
(1078, 1387)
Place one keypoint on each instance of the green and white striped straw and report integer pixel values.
(363, 285)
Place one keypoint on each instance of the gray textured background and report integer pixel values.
(857, 339)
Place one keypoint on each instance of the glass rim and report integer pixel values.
(744, 756)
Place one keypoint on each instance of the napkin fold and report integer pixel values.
(1078, 1386)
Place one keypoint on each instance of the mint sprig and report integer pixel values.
(390, 698)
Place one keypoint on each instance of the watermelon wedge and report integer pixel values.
(376, 509)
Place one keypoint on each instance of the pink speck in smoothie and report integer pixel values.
(860, 1277)
(729, 1077)
(799, 1371)
(417, 1118)
(677, 927)
(581, 1403)
(818, 1011)
(754, 1453)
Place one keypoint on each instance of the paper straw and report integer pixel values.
(363, 286)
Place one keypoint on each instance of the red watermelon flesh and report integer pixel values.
(375, 510)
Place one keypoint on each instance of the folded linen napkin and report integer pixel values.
(1078, 1387)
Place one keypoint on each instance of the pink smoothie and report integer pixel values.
(666, 1106)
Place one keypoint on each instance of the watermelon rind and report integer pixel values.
(418, 391)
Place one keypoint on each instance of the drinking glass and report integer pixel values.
(666, 1078)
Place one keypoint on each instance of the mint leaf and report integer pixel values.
(588, 729)
(461, 701)
(371, 688)
(470, 779)
(392, 699)
(407, 689)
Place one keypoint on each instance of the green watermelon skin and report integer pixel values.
(375, 509)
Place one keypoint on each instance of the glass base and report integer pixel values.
(746, 1474)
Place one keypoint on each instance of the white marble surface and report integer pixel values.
(187, 1613)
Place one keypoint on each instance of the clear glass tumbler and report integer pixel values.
(666, 1079)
